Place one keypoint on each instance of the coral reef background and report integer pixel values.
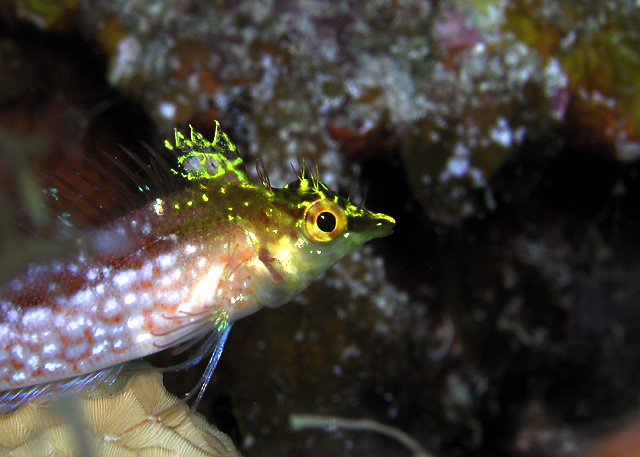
(501, 318)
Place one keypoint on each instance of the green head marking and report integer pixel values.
(207, 160)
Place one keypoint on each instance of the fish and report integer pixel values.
(175, 272)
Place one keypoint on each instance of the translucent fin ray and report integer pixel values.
(13, 399)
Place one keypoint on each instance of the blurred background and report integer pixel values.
(500, 319)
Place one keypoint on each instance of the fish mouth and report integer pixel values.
(383, 225)
(368, 226)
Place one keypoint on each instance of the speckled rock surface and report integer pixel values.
(500, 318)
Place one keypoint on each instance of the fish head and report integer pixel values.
(294, 233)
(315, 229)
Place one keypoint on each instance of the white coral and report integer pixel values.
(135, 416)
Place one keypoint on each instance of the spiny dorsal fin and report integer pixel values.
(202, 159)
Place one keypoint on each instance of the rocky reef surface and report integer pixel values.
(500, 318)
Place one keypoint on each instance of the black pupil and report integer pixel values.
(326, 222)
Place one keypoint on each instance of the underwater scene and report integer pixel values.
(285, 228)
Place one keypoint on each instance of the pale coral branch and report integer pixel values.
(330, 423)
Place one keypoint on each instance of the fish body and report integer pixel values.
(181, 268)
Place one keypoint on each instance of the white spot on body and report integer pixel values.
(53, 366)
(171, 278)
(166, 261)
(5, 331)
(92, 274)
(18, 353)
(36, 317)
(134, 323)
(18, 377)
(118, 344)
(51, 349)
(99, 348)
(31, 338)
(142, 338)
(75, 328)
(147, 271)
(125, 277)
(129, 299)
(33, 362)
(173, 297)
(59, 320)
(82, 298)
(12, 315)
(110, 308)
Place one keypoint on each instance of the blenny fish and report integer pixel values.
(172, 273)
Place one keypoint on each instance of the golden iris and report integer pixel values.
(324, 221)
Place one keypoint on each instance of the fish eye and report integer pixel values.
(324, 221)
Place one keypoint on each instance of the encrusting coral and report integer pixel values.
(134, 416)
